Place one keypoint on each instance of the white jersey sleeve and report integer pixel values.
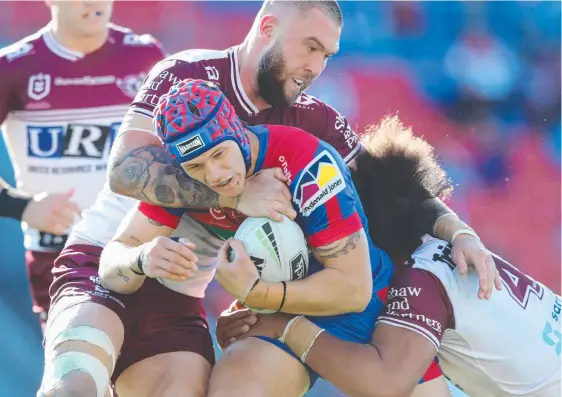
(101, 221)
(509, 345)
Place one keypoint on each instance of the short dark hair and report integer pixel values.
(396, 174)
(330, 7)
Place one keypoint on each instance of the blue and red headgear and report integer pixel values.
(193, 117)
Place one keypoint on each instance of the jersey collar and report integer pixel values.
(243, 99)
(57, 48)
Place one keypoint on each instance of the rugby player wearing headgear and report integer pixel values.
(508, 346)
(287, 47)
(199, 127)
(145, 367)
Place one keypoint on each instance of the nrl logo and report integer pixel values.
(39, 86)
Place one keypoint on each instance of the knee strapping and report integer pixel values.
(58, 366)
(82, 333)
(75, 361)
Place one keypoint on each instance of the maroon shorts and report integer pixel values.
(39, 270)
(156, 319)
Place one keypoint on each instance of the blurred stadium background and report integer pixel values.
(480, 80)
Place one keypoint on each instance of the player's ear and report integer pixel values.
(267, 26)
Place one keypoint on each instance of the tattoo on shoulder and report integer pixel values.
(151, 174)
(339, 248)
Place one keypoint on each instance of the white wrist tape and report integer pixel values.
(441, 217)
(305, 354)
(468, 231)
(288, 328)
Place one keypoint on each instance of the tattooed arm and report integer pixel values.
(148, 173)
(344, 285)
(119, 269)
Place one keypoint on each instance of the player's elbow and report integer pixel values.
(123, 168)
(117, 184)
(361, 296)
(358, 294)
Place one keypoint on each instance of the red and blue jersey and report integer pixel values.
(322, 192)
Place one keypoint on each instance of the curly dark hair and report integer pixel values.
(396, 175)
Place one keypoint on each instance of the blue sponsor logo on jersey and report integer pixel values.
(72, 140)
(557, 308)
(320, 180)
(552, 337)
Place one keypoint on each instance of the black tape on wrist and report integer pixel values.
(140, 264)
(13, 203)
(284, 296)
(428, 212)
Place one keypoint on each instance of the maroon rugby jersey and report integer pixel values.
(506, 346)
(221, 67)
(60, 110)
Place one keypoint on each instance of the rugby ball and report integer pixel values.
(278, 249)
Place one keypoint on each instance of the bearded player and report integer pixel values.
(198, 126)
(61, 104)
(287, 47)
(151, 359)
(508, 346)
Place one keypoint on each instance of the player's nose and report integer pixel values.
(214, 173)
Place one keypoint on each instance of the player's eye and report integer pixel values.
(217, 154)
(310, 48)
(193, 167)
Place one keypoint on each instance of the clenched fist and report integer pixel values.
(164, 257)
(266, 195)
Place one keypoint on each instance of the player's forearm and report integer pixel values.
(12, 201)
(117, 262)
(359, 370)
(328, 292)
(149, 173)
(442, 222)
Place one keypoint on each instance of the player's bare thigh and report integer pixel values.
(81, 333)
(176, 374)
(434, 388)
(255, 368)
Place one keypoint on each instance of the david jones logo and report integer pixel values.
(326, 191)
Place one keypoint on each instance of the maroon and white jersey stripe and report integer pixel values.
(60, 111)
(507, 346)
(221, 67)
